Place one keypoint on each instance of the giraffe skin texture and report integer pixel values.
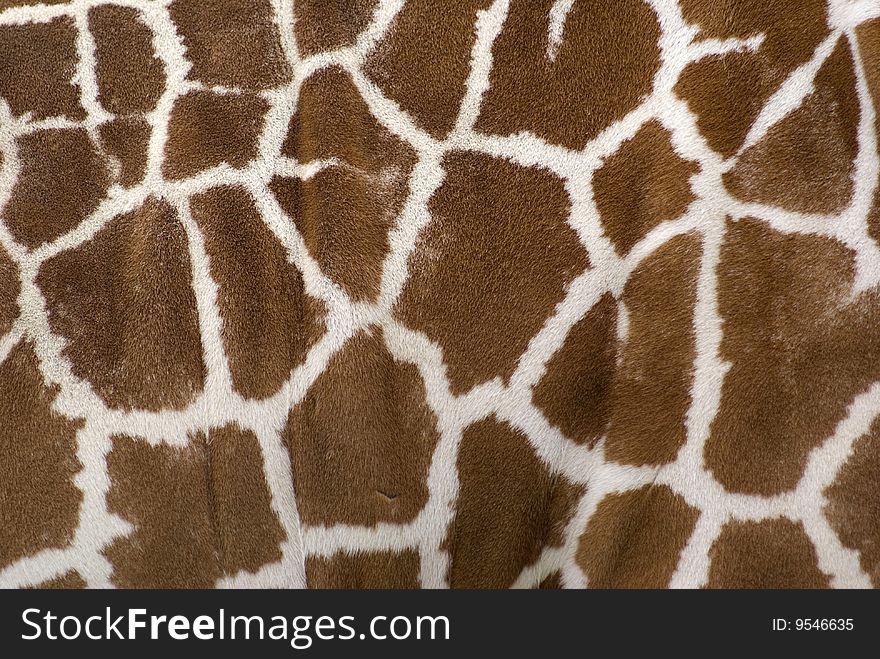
(484, 294)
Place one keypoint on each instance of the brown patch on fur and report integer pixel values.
(39, 64)
(362, 439)
(874, 214)
(642, 185)
(800, 350)
(499, 238)
(130, 77)
(333, 121)
(653, 380)
(604, 67)
(634, 539)
(868, 35)
(509, 506)
(552, 581)
(232, 43)
(773, 553)
(853, 508)
(124, 304)
(344, 213)
(200, 511)
(728, 91)
(39, 504)
(646, 397)
(165, 492)
(207, 129)
(427, 81)
(249, 531)
(68, 581)
(62, 181)
(395, 570)
(269, 323)
(9, 289)
(805, 162)
(575, 393)
(323, 25)
(127, 140)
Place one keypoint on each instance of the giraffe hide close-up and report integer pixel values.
(400, 294)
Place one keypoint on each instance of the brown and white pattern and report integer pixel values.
(485, 294)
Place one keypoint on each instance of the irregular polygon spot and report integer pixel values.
(207, 129)
(652, 384)
(853, 508)
(575, 392)
(805, 162)
(602, 70)
(644, 183)
(232, 43)
(373, 569)
(800, 348)
(498, 238)
(509, 507)
(773, 553)
(250, 533)
(200, 511)
(130, 76)
(322, 25)
(634, 539)
(269, 322)
(39, 503)
(62, 180)
(427, 81)
(39, 66)
(728, 91)
(123, 301)
(362, 439)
